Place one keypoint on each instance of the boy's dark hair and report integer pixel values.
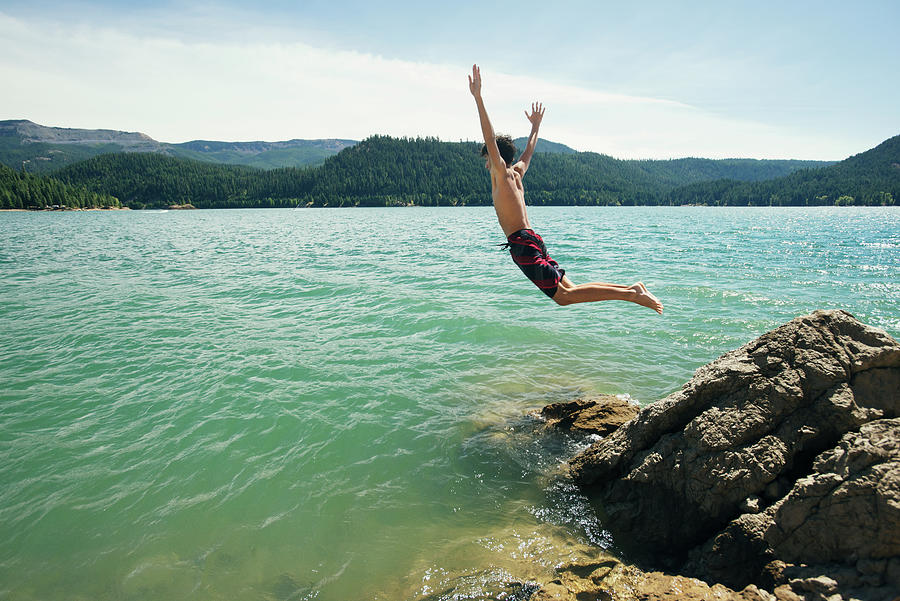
(506, 147)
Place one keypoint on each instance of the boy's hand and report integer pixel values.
(537, 113)
(475, 81)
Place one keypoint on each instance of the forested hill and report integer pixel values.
(868, 178)
(150, 180)
(385, 171)
(544, 146)
(264, 155)
(20, 190)
(379, 171)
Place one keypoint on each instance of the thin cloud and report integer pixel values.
(176, 90)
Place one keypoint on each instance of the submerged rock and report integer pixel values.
(785, 450)
(480, 587)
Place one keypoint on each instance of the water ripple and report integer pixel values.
(311, 403)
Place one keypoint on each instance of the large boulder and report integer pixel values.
(785, 450)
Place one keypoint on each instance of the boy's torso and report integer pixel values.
(509, 199)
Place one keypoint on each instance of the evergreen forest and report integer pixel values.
(20, 190)
(387, 171)
(871, 178)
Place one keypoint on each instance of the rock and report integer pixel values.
(584, 579)
(751, 504)
(846, 511)
(784, 593)
(601, 416)
(785, 449)
(657, 586)
(849, 505)
(477, 589)
(613, 581)
(822, 585)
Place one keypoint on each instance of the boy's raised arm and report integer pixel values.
(537, 114)
(487, 129)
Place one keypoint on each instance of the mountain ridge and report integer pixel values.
(31, 133)
(387, 171)
(43, 149)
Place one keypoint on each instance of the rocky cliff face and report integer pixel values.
(777, 465)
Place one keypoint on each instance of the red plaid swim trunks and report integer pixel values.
(530, 254)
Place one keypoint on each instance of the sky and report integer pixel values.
(650, 79)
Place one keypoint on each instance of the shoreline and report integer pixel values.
(65, 210)
(414, 206)
(752, 525)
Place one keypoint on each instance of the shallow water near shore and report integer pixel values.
(328, 404)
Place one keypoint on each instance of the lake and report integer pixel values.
(332, 404)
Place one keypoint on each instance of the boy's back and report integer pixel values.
(509, 198)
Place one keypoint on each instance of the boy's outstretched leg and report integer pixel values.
(568, 294)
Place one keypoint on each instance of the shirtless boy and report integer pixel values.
(526, 247)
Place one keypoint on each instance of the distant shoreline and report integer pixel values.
(411, 206)
(64, 210)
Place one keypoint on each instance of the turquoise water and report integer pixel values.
(328, 404)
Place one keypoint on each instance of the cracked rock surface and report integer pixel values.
(776, 465)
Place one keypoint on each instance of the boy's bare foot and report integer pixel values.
(646, 299)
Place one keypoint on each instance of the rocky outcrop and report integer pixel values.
(601, 416)
(843, 519)
(778, 464)
(597, 578)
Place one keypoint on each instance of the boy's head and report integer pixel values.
(507, 149)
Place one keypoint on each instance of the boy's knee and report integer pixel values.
(561, 297)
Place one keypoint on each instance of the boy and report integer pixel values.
(526, 247)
